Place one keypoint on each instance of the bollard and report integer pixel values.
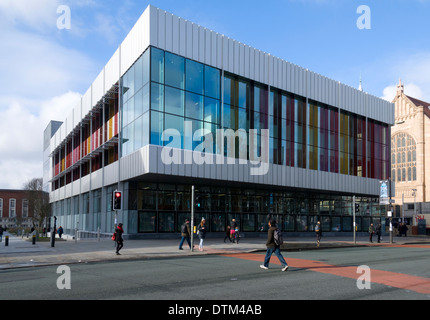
(33, 240)
(6, 241)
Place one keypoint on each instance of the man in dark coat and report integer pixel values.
(185, 234)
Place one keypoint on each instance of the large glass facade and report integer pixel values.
(162, 90)
(163, 208)
(183, 93)
(135, 105)
(166, 91)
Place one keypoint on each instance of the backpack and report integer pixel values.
(277, 237)
(184, 228)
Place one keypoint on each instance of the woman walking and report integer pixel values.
(202, 233)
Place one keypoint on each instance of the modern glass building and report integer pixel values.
(180, 105)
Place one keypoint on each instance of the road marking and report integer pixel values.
(388, 278)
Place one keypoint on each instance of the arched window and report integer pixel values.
(403, 157)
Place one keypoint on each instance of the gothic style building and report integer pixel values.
(410, 142)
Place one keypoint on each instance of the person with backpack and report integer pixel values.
(273, 244)
(185, 233)
(318, 232)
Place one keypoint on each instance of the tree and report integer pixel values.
(38, 201)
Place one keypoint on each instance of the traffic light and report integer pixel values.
(198, 201)
(357, 207)
(117, 200)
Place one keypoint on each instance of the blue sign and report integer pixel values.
(383, 193)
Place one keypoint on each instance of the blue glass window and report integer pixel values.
(157, 65)
(145, 126)
(174, 101)
(192, 127)
(174, 122)
(138, 133)
(138, 104)
(194, 106)
(156, 127)
(138, 74)
(212, 82)
(194, 77)
(157, 97)
(212, 111)
(174, 71)
(145, 67)
(145, 98)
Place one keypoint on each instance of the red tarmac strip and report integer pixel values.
(388, 278)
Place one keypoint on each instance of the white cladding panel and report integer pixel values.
(112, 71)
(98, 89)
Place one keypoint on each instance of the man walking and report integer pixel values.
(273, 248)
(318, 232)
(185, 233)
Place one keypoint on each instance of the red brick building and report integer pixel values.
(14, 209)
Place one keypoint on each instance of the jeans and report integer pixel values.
(182, 242)
(277, 251)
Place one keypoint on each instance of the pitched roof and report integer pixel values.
(418, 102)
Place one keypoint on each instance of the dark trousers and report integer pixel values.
(119, 245)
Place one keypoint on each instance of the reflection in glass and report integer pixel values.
(194, 77)
(174, 70)
(174, 101)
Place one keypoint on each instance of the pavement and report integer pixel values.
(21, 253)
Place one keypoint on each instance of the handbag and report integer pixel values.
(114, 236)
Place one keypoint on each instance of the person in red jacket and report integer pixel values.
(118, 238)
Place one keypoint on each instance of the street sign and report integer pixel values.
(383, 193)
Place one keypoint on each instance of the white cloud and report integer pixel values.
(21, 137)
(410, 89)
(414, 72)
(37, 15)
(37, 76)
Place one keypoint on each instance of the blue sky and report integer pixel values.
(45, 70)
